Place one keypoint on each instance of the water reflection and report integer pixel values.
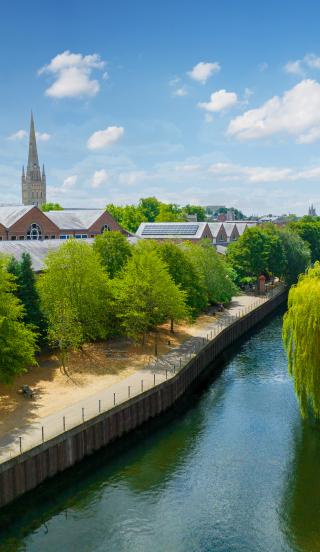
(301, 503)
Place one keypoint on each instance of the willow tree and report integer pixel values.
(301, 336)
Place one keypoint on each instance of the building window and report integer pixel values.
(0, 238)
(65, 236)
(53, 237)
(13, 238)
(46, 237)
(92, 236)
(21, 237)
(34, 232)
(105, 228)
(80, 236)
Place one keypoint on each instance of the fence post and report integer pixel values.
(166, 374)
(174, 367)
(82, 414)
(129, 391)
(154, 379)
(180, 362)
(20, 443)
(64, 423)
(114, 399)
(42, 433)
(99, 406)
(141, 386)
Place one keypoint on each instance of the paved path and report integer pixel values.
(31, 434)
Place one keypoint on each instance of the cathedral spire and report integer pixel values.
(33, 162)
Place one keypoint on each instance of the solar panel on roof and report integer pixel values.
(169, 230)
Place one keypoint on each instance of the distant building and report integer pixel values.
(33, 182)
(28, 222)
(174, 231)
(312, 211)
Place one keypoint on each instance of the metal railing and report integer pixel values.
(162, 369)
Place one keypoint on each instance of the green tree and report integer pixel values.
(297, 255)
(184, 275)
(195, 210)
(129, 217)
(74, 295)
(309, 232)
(301, 339)
(145, 293)
(170, 212)
(51, 207)
(150, 208)
(114, 251)
(252, 254)
(17, 340)
(213, 273)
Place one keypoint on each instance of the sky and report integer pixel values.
(206, 102)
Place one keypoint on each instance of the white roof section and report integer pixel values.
(38, 249)
(171, 230)
(12, 213)
(75, 219)
(215, 227)
(221, 249)
(229, 227)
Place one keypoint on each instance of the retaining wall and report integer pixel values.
(25, 472)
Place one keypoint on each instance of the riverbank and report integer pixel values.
(95, 369)
(44, 457)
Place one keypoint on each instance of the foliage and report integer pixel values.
(170, 212)
(184, 275)
(297, 255)
(146, 294)
(18, 341)
(129, 217)
(114, 250)
(195, 210)
(51, 207)
(301, 339)
(212, 272)
(309, 232)
(26, 290)
(73, 291)
(150, 208)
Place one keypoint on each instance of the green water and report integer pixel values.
(237, 471)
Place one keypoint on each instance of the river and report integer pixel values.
(236, 471)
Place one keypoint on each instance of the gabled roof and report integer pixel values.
(172, 230)
(9, 215)
(75, 219)
(229, 227)
(37, 249)
(215, 228)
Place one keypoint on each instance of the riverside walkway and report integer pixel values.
(43, 429)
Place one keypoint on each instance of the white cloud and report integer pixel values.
(203, 71)
(188, 168)
(182, 91)
(43, 136)
(294, 67)
(219, 101)
(131, 178)
(99, 178)
(105, 138)
(69, 182)
(72, 74)
(299, 66)
(263, 66)
(294, 113)
(19, 135)
(230, 171)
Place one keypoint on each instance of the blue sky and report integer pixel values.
(195, 102)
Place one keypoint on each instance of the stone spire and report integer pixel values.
(33, 183)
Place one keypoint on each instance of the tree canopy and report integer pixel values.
(114, 250)
(51, 207)
(18, 340)
(301, 339)
(309, 231)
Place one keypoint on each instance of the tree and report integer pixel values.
(114, 251)
(170, 212)
(145, 293)
(17, 340)
(253, 254)
(212, 271)
(184, 275)
(51, 207)
(150, 208)
(301, 339)
(195, 210)
(297, 255)
(74, 295)
(309, 232)
(129, 217)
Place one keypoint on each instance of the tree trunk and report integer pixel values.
(156, 344)
(171, 326)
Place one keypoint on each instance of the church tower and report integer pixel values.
(33, 182)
